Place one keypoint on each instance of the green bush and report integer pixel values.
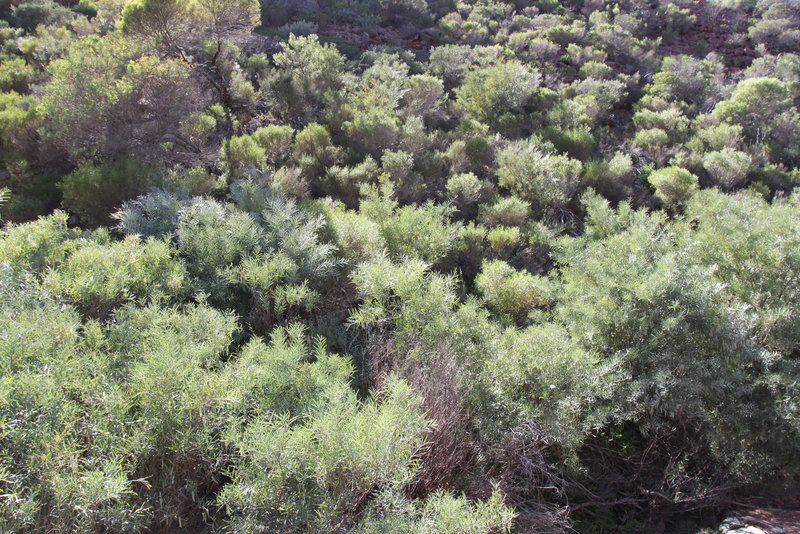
(312, 69)
(421, 232)
(314, 142)
(60, 470)
(673, 186)
(632, 294)
(346, 182)
(614, 179)
(213, 237)
(750, 245)
(153, 215)
(508, 211)
(466, 191)
(490, 92)
(504, 240)
(762, 107)
(441, 512)
(373, 131)
(37, 246)
(291, 182)
(670, 120)
(727, 167)
(172, 359)
(424, 95)
(653, 139)
(242, 154)
(276, 142)
(338, 454)
(357, 237)
(99, 278)
(548, 181)
(508, 291)
(93, 193)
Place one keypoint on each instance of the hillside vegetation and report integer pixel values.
(372, 266)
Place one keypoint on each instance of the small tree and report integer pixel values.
(195, 32)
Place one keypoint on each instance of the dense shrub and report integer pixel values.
(763, 108)
(94, 192)
(491, 92)
(400, 182)
(750, 243)
(373, 132)
(508, 211)
(366, 447)
(508, 291)
(213, 237)
(546, 180)
(98, 278)
(466, 191)
(123, 105)
(276, 142)
(667, 316)
(242, 153)
(728, 168)
(37, 246)
(421, 232)
(673, 186)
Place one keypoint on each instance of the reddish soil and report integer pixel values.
(389, 36)
(713, 31)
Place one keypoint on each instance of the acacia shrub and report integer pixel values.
(213, 237)
(309, 73)
(94, 192)
(751, 246)
(673, 186)
(276, 140)
(632, 293)
(508, 291)
(504, 240)
(546, 180)
(367, 447)
(242, 154)
(61, 470)
(466, 191)
(421, 232)
(357, 237)
(155, 214)
(493, 93)
(764, 109)
(506, 211)
(314, 148)
(171, 360)
(728, 168)
(99, 277)
(37, 246)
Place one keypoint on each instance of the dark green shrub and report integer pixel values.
(93, 193)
